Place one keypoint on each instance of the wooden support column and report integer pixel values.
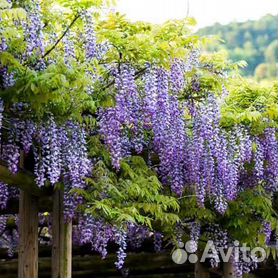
(28, 236)
(200, 270)
(56, 217)
(66, 251)
(229, 270)
(62, 239)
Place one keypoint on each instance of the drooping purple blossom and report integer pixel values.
(3, 223)
(1, 116)
(150, 97)
(12, 153)
(69, 50)
(4, 195)
(90, 36)
(158, 237)
(136, 235)
(120, 239)
(271, 157)
(259, 160)
(177, 76)
(110, 128)
(6, 76)
(267, 230)
(33, 30)
(27, 134)
(51, 151)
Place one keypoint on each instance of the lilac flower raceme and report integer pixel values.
(33, 33)
(4, 195)
(12, 151)
(3, 222)
(90, 36)
(150, 97)
(271, 157)
(51, 151)
(267, 230)
(40, 165)
(121, 253)
(97, 233)
(69, 51)
(136, 235)
(158, 241)
(61, 151)
(6, 76)
(27, 134)
(1, 116)
(259, 160)
(110, 128)
(75, 165)
(162, 115)
(192, 60)
(126, 117)
(177, 146)
(195, 231)
(177, 76)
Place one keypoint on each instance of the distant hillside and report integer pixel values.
(254, 41)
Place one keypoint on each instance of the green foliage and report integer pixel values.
(243, 219)
(244, 216)
(132, 195)
(80, 5)
(59, 90)
(139, 43)
(252, 104)
(60, 87)
(191, 210)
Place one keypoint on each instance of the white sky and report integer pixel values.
(206, 12)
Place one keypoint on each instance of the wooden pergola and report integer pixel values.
(33, 200)
(31, 197)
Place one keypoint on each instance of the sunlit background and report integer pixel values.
(247, 28)
(206, 12)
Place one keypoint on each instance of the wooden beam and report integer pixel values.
(66, 251)
(56, 219)
(229, 270)
(28, 236)
(200, 270)
(24, 180)
(45, 205)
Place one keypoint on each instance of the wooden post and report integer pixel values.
(66, 252)
(56, 217)
(28, 236)
(61, 239)
(229, 270)
(200, 270)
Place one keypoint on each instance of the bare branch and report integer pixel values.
(61, 37)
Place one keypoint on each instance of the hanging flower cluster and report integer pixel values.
(59, 152)
(199, 153)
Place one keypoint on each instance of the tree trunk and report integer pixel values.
(200, 270)
(62, 240)
(28, 236)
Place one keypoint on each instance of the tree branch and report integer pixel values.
(136, 76)
(61, 37)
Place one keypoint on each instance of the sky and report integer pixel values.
(206, 12)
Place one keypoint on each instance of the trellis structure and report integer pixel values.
(30, 196)
(61, 260)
